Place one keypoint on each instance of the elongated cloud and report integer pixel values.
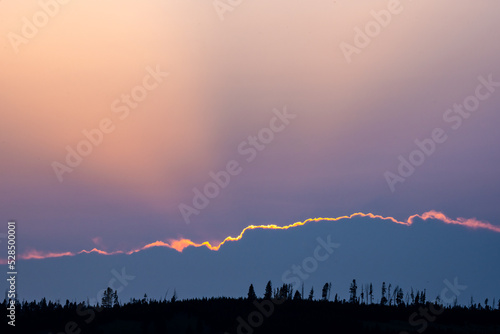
(34, 254)
(471, 222)
(181, 244)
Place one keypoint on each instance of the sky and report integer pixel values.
(125, 122)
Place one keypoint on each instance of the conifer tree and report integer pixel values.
(269, 290)
(251, 293)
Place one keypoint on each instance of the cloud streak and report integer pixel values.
(182, 243)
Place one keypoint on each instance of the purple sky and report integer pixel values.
(178, 90)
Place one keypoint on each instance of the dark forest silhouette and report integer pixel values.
(278, 310)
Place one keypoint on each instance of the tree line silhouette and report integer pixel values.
(389, 296)
(393, 312)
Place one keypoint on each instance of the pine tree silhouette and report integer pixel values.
(251, 293)
(269, 291)
(311, 294)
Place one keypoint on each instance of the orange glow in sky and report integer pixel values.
(180, 244)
